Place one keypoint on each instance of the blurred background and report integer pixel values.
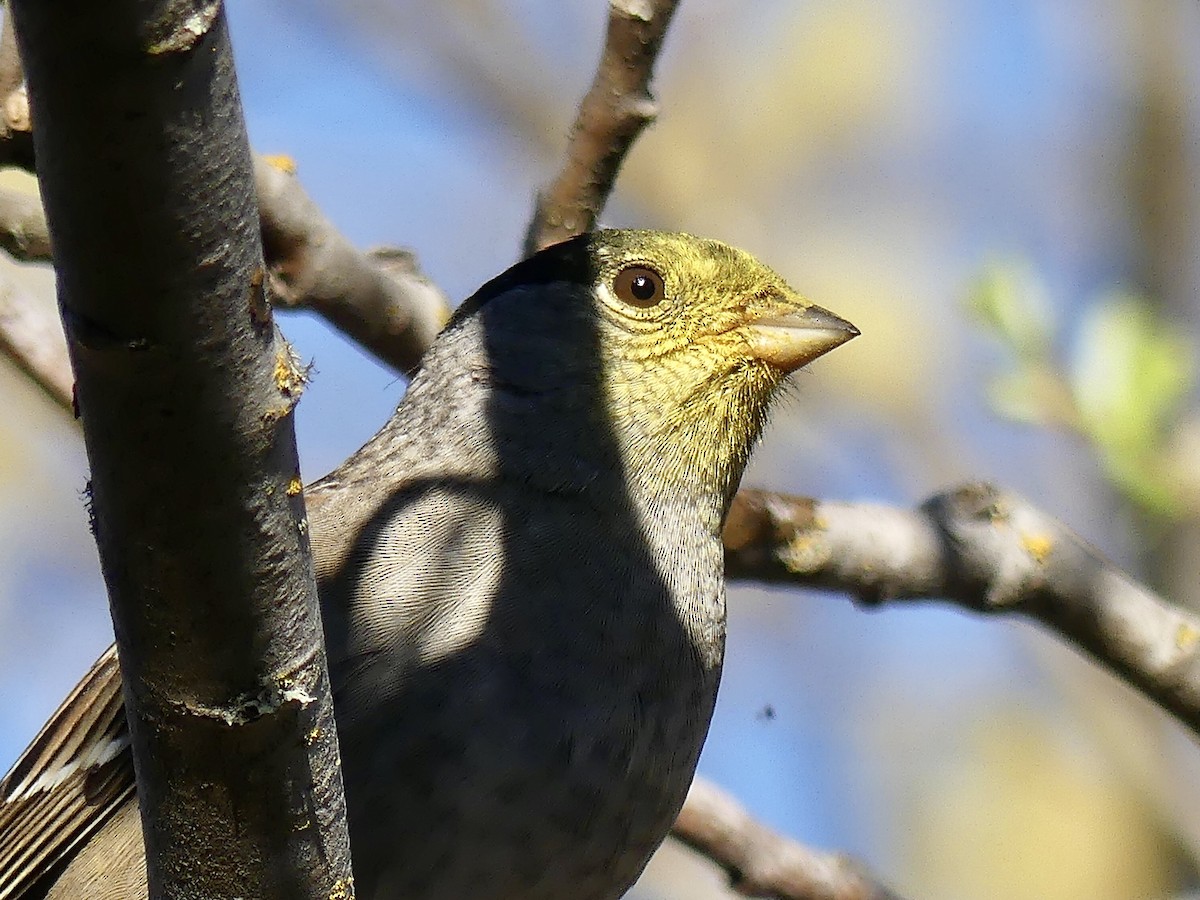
(1000, 193)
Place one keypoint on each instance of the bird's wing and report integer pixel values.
(74, 775)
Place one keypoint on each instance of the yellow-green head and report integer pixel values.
(672, 343)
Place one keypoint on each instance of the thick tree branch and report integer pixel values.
(762, 863)
(613, 113)
(985, 550)
(185, 392)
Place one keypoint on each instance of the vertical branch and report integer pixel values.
(185, 391)
(613, 113)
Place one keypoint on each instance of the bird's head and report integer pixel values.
(673, 344)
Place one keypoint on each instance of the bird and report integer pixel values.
(522, 588)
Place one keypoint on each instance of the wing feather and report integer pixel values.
(71, 779)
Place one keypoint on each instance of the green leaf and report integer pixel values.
(1011, 300)
(1131, 372)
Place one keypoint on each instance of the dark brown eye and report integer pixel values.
(639, 286)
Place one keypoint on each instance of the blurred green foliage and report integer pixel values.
(1123, 389)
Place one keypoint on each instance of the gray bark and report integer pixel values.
(186, 392)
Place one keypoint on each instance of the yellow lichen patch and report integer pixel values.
(313, 735)
(1038, 546)
(274, 415)
(806, 552)
(282, 162)
(295, 485)
(290, 376)
(343, 889)
(1186, 636)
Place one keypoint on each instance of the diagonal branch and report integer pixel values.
(763, 863)
(380, 300)
(616, 109)
(985, 550)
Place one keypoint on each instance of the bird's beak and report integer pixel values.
(794, 339)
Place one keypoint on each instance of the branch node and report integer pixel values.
(252, 707)
(183, 34)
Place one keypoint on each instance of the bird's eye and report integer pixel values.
(639, 286)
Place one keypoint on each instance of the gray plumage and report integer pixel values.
(521, 579)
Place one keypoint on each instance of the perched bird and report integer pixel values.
(521, 577)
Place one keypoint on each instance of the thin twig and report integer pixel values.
(613, 113)
(985, 550)
(763, 863)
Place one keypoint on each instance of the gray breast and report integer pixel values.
(520, 697)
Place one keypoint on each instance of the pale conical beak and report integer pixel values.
(792, 340)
